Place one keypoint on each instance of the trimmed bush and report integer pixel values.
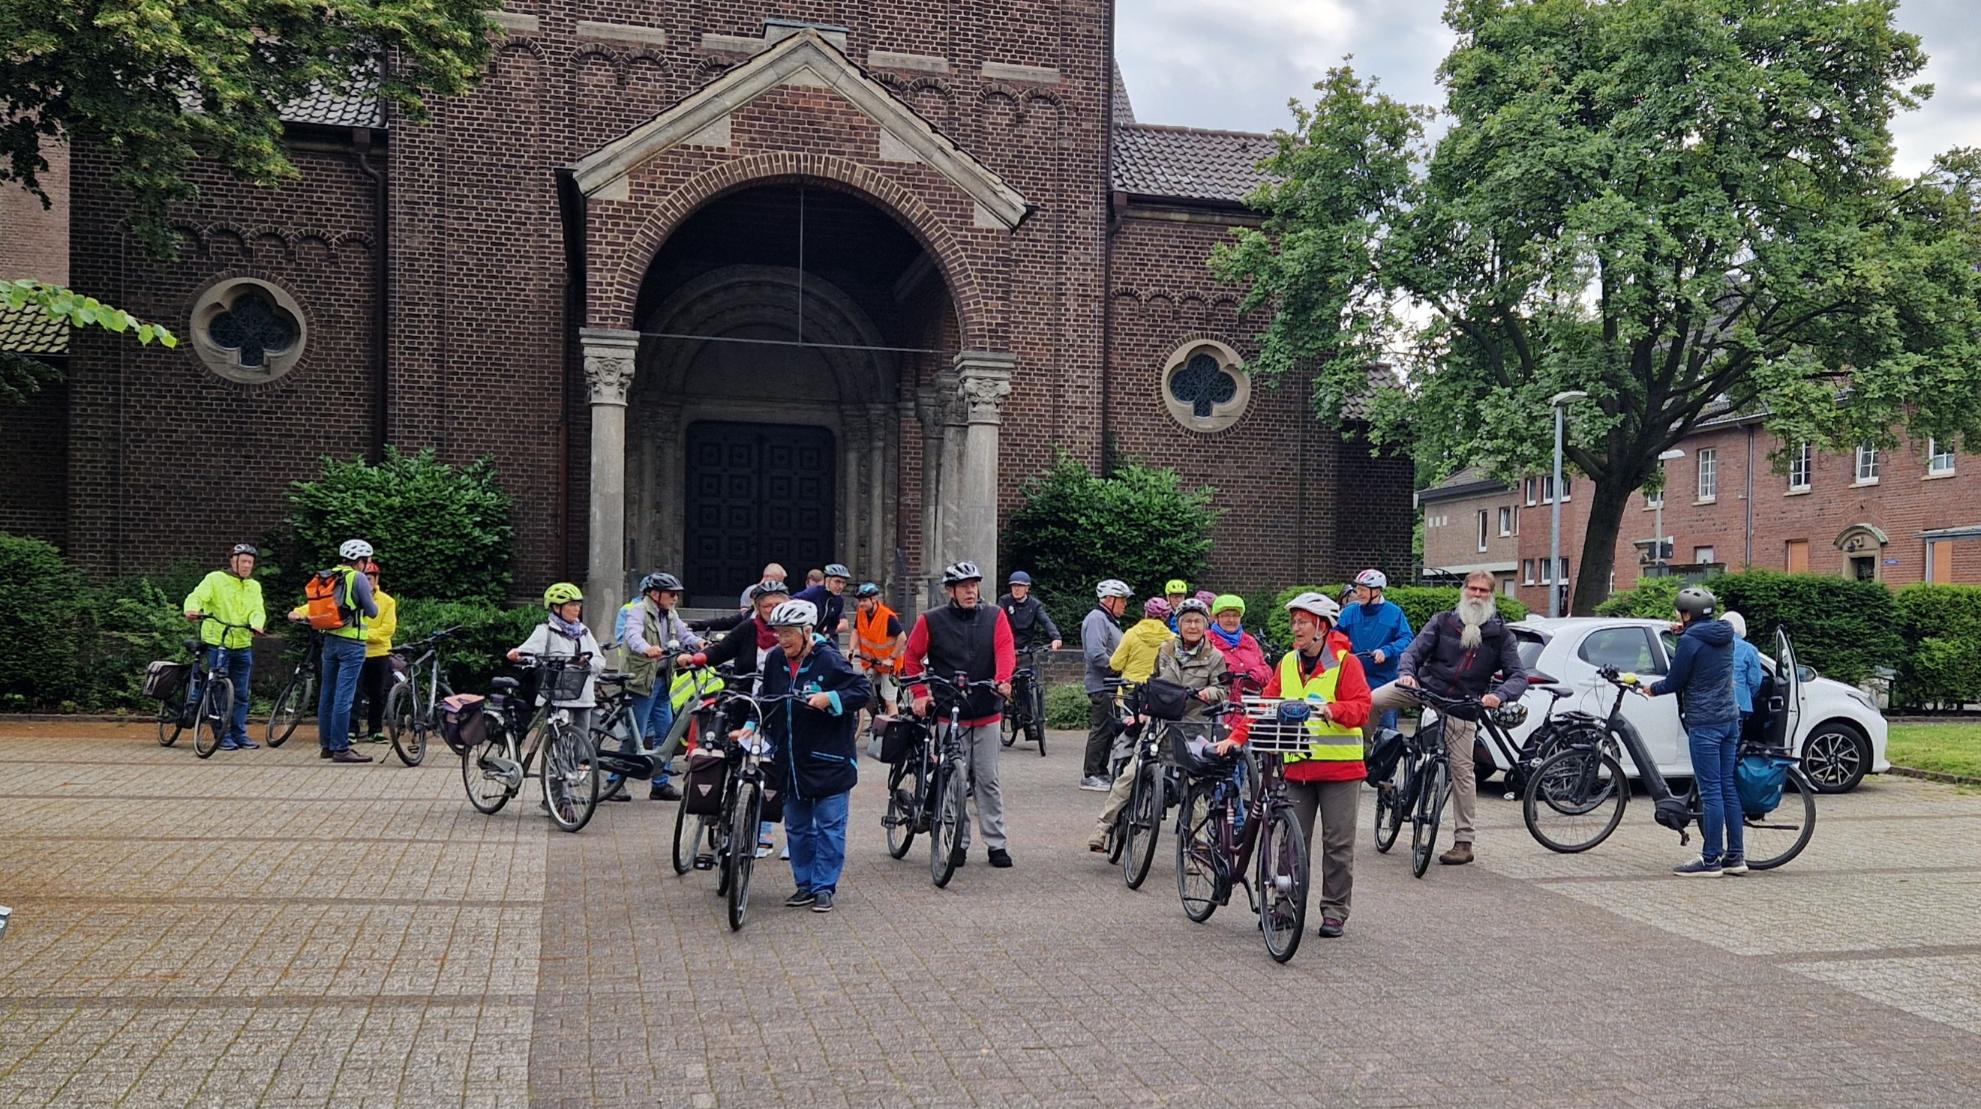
(1943, 625)
(1841, 627)
(44, 622)
(139, 619)
(1652, 599)
(1419, 604)
(441, 532)
(476, 653)
(1075, 528)
(1066, 706)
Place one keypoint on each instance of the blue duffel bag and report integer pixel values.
(1759, 779)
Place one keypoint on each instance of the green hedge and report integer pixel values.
(488, 631)
(1419, 604)
(1066, 706)
(1943, 625)
(1652, 599)
(1843, 628)
(44, 625)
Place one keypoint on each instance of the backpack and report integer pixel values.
(324, 600)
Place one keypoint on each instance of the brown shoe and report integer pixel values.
(1459, 855)
(348, 755)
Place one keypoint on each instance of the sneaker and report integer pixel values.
(1459, 855)
(665, 791)
(323, 752)
(229, 745)
(1000, 858)
(823, 902)
(1096, 784)
(764, 850)
(1699, 868)
(1733, 864)
(348, 755)
(800, 899)
(784, 853)
(618, 794)
(1330, 928)
(1097, 843)
(959, 857)
(246, 745)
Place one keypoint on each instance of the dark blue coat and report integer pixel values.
(1702, 674)
(831, 606)
(815, 750)
(1385, 629)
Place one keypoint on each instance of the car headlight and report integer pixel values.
(1862, 698)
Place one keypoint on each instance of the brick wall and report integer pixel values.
(1451, 530)
(34, 241)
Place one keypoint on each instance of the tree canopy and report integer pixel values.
(1681, 207)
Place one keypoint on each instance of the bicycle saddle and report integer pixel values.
(191, 642)
(504, 685)
(1554, 691)
(614, 677)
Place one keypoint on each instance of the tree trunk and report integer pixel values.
(1592, 576)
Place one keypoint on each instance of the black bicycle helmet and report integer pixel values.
(1510, 714)
(1197, 755)
(1697, 601)
(769, 587)
(663, 582)
(244, 549)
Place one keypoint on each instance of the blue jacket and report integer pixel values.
(815, 749)
(1747, 674)
(1385, 629)
(831, 606)
(1702, 675)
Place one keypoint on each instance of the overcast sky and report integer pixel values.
(1234, 63)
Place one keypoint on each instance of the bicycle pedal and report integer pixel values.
(704, 862)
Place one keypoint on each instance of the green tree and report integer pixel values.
(20, 375)
(1679, 207)
(441, 532)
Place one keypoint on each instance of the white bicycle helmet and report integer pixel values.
(1373, 579)
(956, 573)
(1317, 604)
(1112, 587)
(354, 549)
(794, 614)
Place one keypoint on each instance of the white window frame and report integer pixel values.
(1707, 481)
(1712, 556)
(1654, 499)
(1804, 460)
(1547, 573)
(1529, 486)
(1865, 471)
(1482, 529)
(1505, 520)
(1934, 455)
(1527, 571)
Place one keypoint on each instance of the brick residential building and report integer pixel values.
(712, 284)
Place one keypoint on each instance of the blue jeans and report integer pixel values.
(1387, 719)
(240, 663)
(343, 661)
(816, 832)
(1715, 749)
(655, 714)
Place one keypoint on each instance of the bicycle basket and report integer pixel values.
(900, 736)
(164, 678)
(1196, 754)
(565, 683)
(1164, 700)
(1759, 779)
(464, 721)
(1276, 726)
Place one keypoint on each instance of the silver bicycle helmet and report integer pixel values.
(794, 614)
(956, 573)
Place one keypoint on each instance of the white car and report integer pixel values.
(1837, 729)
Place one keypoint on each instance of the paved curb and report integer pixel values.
(1935, 776)
(87, 718)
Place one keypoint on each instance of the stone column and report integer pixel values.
(852, 448)
(874, 567)
(609, 357)
(665, 499)
(983, 381)
(931, 402)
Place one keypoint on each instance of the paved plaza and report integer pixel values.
(267, 929)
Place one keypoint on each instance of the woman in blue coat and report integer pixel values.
(816, 752)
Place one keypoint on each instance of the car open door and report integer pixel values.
(1785, 703)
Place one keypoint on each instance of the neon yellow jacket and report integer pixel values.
(1135, 659)
(378, 631)
(225, 597)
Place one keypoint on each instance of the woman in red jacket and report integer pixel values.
(1242, 654)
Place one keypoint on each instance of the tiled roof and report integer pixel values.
(1188, 163)
(1380, 377)
(359, 109)
(1471, 481)
(32, 331)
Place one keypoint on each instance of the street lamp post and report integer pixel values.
(1658, 540)
(1559, 403)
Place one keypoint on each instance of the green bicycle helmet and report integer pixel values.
(1228, 600)
(562, 593)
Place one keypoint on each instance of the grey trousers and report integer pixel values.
(1458, 738)
(981, 746)
(1335, 803)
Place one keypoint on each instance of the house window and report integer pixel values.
(1655, 499)
(1529, 484)
(1482, 529)
(1867, 465)
(1938, 461)
(1709, 475)
(1939, 561)
(1798, 556)
(1547, 578)
(247, 330)
(1527, 571)
(1508, 586)
(1506, 521)
(1703, 556)
(1799, 465)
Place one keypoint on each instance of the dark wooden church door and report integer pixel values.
(756, 493)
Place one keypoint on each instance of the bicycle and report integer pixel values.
(1421, 783)
(1212, 851)
(1025, 710)
(214, 711)
(731, 831)
(949, 789)
(1579, 782)
(298, 694)
(703, 728)
(616, 723)
(412, 708)
(908, 797)
(494, 772)
(175, 709)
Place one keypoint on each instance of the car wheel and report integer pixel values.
(1836, 756)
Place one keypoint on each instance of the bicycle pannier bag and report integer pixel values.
(1384, 754)
(1759, 780)
(708, 771)
(773, 809)
(323, 601)
(1164, 700)
(899, 737)
(463, 721)
(164, 678)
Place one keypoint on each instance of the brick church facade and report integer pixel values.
(711, 283)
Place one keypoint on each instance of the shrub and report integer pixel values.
(1419, 604)
(475, 653)
(1841, 627)
(137, 619)
(1943, 625)
(442, 532)
(44, 620)
(1075, 528)
(1066, 706)
(1652, 599)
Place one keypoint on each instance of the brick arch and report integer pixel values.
(965, 293)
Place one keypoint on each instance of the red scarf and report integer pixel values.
(766, 638)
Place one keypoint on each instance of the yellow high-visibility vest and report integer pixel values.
(1332, 742)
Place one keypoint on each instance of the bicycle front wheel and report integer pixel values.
(1035, 715)
(289, 707)
(1197, 853)
(1575, 799)
(1283, 878)
(905, 786)
(1144, 822)
(216, 714)
(1390, 808)
(570, 777)
(1781, 835)
(406, 725)
(946, 830)
(1430, 813)
(743, 821)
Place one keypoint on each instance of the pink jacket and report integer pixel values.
(1246, 659)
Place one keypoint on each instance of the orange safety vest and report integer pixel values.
(870, 639)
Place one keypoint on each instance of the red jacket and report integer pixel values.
(1002, 646)
(1350, 707)
(1246, 659)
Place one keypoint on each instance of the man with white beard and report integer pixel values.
(1456, 655)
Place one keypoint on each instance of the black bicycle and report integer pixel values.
(1576, 797)
(949, 788)
(1213, 847)
(731, 831)
(1421, 785)
(909, 802)
(205, 701)
(419, 684)
(1025, 710)
(703, 729)
(519, 733)
(298, 696)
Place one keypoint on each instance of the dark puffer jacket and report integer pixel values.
(1702, 674)
(1440, 661)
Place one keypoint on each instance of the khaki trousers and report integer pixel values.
(1458, 737)
(1335, 803)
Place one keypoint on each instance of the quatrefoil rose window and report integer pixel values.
(1204, 386)
(248, 330)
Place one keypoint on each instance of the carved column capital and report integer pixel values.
(610, 355)
(983, 380)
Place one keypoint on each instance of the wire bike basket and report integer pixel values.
(1276, 726)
